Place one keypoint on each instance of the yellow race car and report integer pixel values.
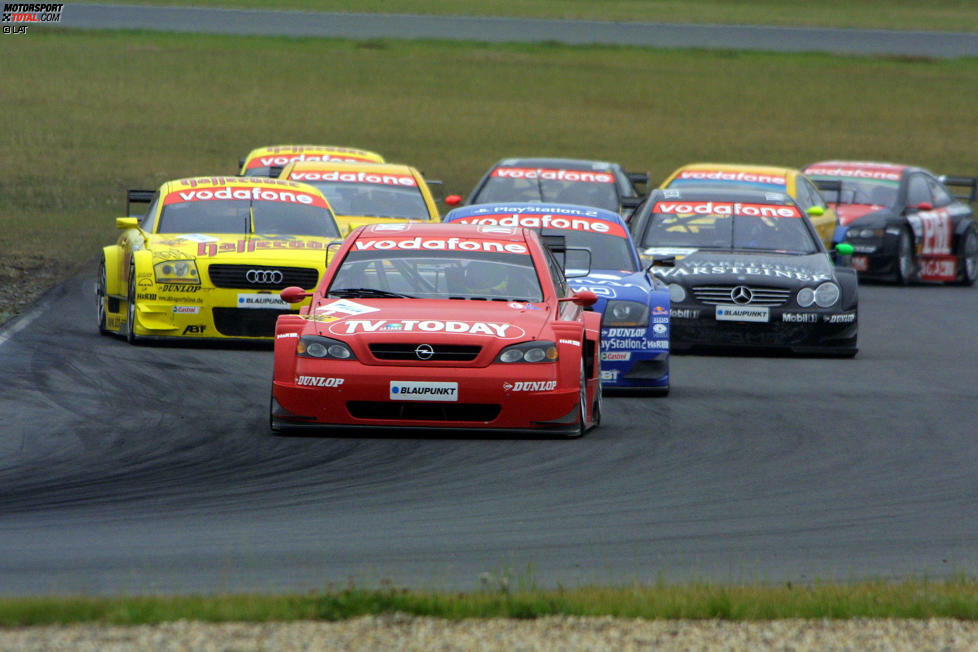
(368, 193)
(762, 177)
(269, 161)
(209, 257)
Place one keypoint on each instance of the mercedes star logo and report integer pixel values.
(264, 276)
(424, 351)
(741, 294)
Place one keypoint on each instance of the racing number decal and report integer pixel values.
(936, 227)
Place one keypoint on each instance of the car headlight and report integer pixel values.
(177, 271)
(316, 346)
(677, 294)
(806, 297)
(529, 352)
(827, 294)
(864, 234)
(625, 313)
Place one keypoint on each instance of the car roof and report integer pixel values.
(498, 208)
(566, 163)
(343, 166)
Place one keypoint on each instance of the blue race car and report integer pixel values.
(634, 304)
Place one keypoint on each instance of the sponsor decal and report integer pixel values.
(281, 159)
(933, 229)
(860, 263)
(864, 249)
(180, 299)
(318, 381)
(841, 318)
(389, 227)
(492, 329)
(635, 344)
(743, 313)
(186, 310)
(725, 208)
(515, 305)
(531, 386)
(660, 320)
(356, 177)
(548, 221)
(194, 237)
(722, 267)
(623, 332)
(440, 244)
(346, 307)
(283, 336)
(684, 313)
(584, 176)
(195, 329)
(254, 193)
(881, 172)
(176, 287)
(262, 301)
(211, 249)
(209, 182)
(616, 356)
(800, 317)
(939, 268)
(609, 375)
(601, 291)
(660, 329)
(403, 390)
(146, 296)
(571, 342)
(731, 177)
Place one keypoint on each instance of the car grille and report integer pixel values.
(264, 278)
(441, 352)
(723, 294)
(423, 411)
(246, 322)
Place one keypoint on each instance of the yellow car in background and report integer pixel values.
(368, 193)
(269, 161)
(209, 257)
(762, 177)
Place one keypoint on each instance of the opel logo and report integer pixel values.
(424, 351)
(741, 294)
(264, 276)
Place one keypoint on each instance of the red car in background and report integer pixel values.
(446, 326)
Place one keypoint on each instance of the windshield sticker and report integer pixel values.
(249, 194)
(726, 208)
(346, 307)
(731, 177)
(440, 244)
(356, 177)
(549, 221)
(585, 176)
(877, 172)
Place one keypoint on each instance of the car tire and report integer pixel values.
(581, 426)
(131, 307)
(904, 263)
(100, 298)
(598, 405)
(969, 257)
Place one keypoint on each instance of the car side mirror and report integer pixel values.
(453, 200)
(294, 294)
(583, 298)
(925, 206)
(125, 223)
(663, 260)
(815, 211)
(844, 249)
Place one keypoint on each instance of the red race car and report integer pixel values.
(451, 326)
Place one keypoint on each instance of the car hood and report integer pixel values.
(776, 270)
(432, 320)
(614, 284)
(272, 249)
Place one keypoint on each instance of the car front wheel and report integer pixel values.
(969, 257)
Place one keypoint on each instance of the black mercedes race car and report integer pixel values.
(746, 270)
(558, 180)
(902, 222)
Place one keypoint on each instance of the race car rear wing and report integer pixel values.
(138, 197)
(831, 189)
(962, 182)
(638, 178)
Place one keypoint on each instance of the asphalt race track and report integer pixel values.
(151, 469)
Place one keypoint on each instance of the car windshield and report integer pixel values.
(708, 231)
(246, 216)
(607, 251)
(863, 191)
(374, 200)
(437, 275)
(505, 189)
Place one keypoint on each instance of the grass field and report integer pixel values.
(944, 15)
(919, 599)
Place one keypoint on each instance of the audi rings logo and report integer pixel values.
(741, 294)
(264, 276)
(424, 351)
